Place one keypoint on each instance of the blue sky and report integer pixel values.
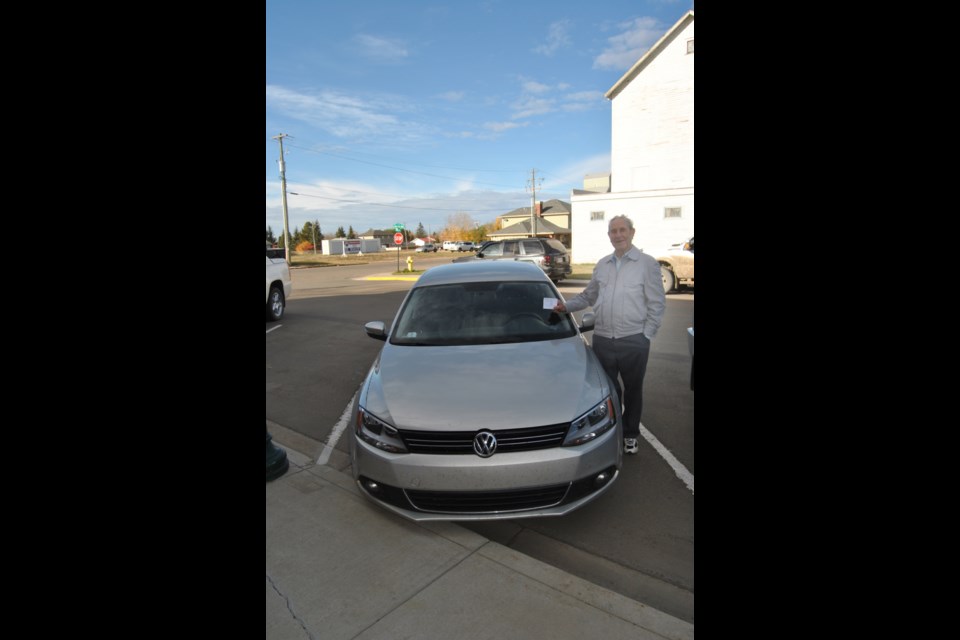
(413, 111)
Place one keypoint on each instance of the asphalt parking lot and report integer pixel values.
(636, 540)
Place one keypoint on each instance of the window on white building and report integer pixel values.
(671, 212)
(596, 215)
(690, 46)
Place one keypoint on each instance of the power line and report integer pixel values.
(392, 206)
(423, 173)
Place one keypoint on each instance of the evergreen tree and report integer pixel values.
(421, 232)
(340, 232)
(308, 232)
(351, 235)
(270, 238)
(316, 223)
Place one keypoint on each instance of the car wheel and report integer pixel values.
(275, 304)
(669, 279)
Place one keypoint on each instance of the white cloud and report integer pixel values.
(583, 100)
(556, 37)
(528, 106)
(381, 49)
(502, 126)
(345, 116)
(535, 87)
(432, 210)
(626, 48)
(452, 96)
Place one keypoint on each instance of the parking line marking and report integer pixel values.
(275, 327)
(338, 430)
(678, 468)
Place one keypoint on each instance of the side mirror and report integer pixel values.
(376, 330)
(588, 321)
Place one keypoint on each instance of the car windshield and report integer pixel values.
(480, 313)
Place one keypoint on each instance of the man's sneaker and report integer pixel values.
(630, 445)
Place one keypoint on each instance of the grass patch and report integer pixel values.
(309, 259)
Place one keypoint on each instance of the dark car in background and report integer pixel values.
(547, 253)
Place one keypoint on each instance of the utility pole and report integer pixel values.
(533, 201)
(283, 193)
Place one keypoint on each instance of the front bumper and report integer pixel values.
(544, 482)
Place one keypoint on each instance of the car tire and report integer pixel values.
(275, 304)
(669, 279)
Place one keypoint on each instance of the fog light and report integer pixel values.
(601, 479)
(371, 486)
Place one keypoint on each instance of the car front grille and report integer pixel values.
(480, 503)
(508, 440)
(487, 501)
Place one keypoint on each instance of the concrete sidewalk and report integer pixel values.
(340, 567)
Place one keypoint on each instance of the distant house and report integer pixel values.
(550, 219)
(385, 236)
(651, 154)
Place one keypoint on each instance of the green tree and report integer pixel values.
(308, 233)
(316, 223)
(421, 232)
(351, 235)
(340, 232)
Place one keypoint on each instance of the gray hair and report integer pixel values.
(621, 217)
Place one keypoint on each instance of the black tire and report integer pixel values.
(276, 304)
(669, 278)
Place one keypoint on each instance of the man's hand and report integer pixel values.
(560, 308)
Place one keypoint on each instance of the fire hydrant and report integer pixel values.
(410, 264)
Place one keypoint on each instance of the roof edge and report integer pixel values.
(649, 55)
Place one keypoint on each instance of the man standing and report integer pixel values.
(626, 293)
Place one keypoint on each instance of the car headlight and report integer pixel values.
(378, 433)
(592, 424)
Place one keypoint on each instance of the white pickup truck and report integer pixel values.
(279, 287)
(676, 265)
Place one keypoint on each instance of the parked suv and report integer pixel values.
(465, 245)
(450, 245)
(547, 253)
(426, 248)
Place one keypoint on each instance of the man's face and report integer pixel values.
(621, 235)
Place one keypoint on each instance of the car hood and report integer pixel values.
(485, 386)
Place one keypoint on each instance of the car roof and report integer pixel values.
(480, 271)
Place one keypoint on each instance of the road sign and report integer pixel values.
(398, 227)
(398, 238)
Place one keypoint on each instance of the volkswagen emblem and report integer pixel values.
(484, 444)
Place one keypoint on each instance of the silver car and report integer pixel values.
(483, 403)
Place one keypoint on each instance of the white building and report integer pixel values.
(651, 154)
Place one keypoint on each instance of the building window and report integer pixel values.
(596, 215)
(671, 212)
(690, 45)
